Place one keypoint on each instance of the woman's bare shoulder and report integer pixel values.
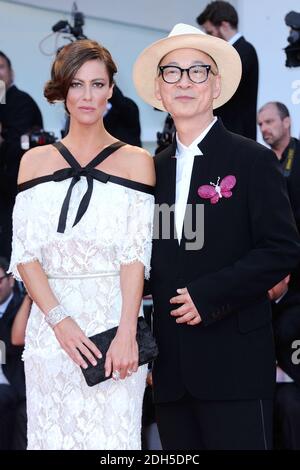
(140, 164)
(35, 162)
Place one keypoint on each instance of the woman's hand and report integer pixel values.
(122, 355)
(72, 340)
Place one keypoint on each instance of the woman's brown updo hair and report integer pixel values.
(69, 60)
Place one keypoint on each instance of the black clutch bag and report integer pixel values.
(148, 351)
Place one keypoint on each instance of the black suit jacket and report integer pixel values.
(239, 113)
(293, 179)
(14, 368)
(18, 116)
(251, 242)
(286, 313)
(123, 119)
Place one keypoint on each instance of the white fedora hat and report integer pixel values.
(186, 36)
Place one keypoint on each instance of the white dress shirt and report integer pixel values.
(184, 166)
(235, 38)
(3, 307)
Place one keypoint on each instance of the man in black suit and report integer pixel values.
(275, 125)
(220, 19)
(12, 379)
(215, 374)
(18, 115)
(122, 119)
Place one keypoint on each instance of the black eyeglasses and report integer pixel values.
(196, 73)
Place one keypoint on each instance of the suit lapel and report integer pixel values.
(206, 166)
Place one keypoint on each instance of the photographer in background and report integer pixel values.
(18, 116)
(275, 124)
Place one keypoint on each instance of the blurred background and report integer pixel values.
(125, 28)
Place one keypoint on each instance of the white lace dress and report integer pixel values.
(83, 267)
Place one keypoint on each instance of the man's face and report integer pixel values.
(5, 72)
(6, 286)
(213, 30)
(273, 128)
(185, 98)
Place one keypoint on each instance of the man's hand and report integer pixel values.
(187, 313)
(149, 380)
(277, 291)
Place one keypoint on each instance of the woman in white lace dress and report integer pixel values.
(82, 229)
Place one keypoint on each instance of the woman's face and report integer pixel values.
(88, 93)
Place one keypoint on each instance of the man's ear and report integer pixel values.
(225, 28)
(12, 76)
(287, 122)
(157, 90)
(11, 282)
(217, 86)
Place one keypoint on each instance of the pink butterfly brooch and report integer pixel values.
(216, 191)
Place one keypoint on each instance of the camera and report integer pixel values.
(76, 30)
(35, 138)
(292, 19)
(165, 138)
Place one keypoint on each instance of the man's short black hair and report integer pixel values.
(218, 11)
(4, 264)
(6, 58)
(281, 108)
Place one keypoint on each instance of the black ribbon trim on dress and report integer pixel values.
(75, 171)
(76, 174)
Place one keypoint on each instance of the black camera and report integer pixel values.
(76, 30)
(165, 138)
(292, 19)
(35, 138)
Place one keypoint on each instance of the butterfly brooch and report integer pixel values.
(214, 192)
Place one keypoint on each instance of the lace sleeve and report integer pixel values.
(25, 242)
(137, 244)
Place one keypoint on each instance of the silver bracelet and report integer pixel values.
(56, 315)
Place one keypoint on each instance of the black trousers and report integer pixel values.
(13, 420)
(192, 424)
(7, 409)
(287, 417)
